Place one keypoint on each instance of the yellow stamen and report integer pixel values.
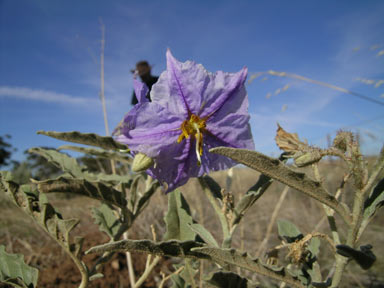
(193, 126)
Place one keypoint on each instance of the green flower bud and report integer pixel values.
(141, 162)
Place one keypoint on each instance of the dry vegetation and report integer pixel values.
(20, 235)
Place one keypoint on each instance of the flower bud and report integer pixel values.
(141, 162)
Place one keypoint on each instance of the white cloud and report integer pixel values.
(43, 96)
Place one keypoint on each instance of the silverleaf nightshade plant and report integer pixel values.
(192, 110)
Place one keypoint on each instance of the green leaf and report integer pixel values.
(374, 201)
(61, 160)
(178, 281)
(107, 220)
(36, 205)
(276, 169)
(252, 195)
(96, 190)
(204, 234)
(178, 218)
(69, 164)
(213, 186)
(288, 231)
(189, 272)
(197, 250)
(171, 248)
(223, 279)
(15, 272)
(314, 246)
(122, 157)
(87, 139)
(242, 260)
(144, 199)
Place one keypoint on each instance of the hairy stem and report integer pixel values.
(357, 215)
(223, 220)
(272, 221)
(328, 211)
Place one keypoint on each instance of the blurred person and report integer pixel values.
(143, 69)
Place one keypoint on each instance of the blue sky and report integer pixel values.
(50, 74)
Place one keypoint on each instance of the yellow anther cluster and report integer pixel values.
(194, 126)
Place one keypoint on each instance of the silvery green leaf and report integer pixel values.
(69, 164)
(37, 206)
(171, 248)
(288, 231)
(144, 199)
(204, 234)
(86, 138)
(122, 157)
(15, 272)
(178, 218)
(107, 220)
(178, 282)
(374, 201)
(189, 272)
(213, 186)
(315, 273)
(314, 246)
(252, 195)
(133, 193)
(96, 190)
(61, 160)
(276, 169)
(223, 279)
(242, 260)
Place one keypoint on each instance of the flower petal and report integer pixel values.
(224, 87)
(153, 128)
(234, 131)
(148, 127)
(141, 91)
(177, 162)
(230, 122)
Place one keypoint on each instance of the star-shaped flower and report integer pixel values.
(192, 110)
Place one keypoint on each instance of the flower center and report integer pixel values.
(194, 127)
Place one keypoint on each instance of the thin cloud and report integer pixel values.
(43, 96)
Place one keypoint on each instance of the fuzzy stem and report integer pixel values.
(357, 215)
(328, 211)
(219, 212)
(147, 271)
(131, 272)
(272, 221)
(379, 166)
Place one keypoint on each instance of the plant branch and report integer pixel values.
(223, 220)
(272, 221)
(277, 170)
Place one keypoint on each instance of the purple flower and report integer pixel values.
(191, 111)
